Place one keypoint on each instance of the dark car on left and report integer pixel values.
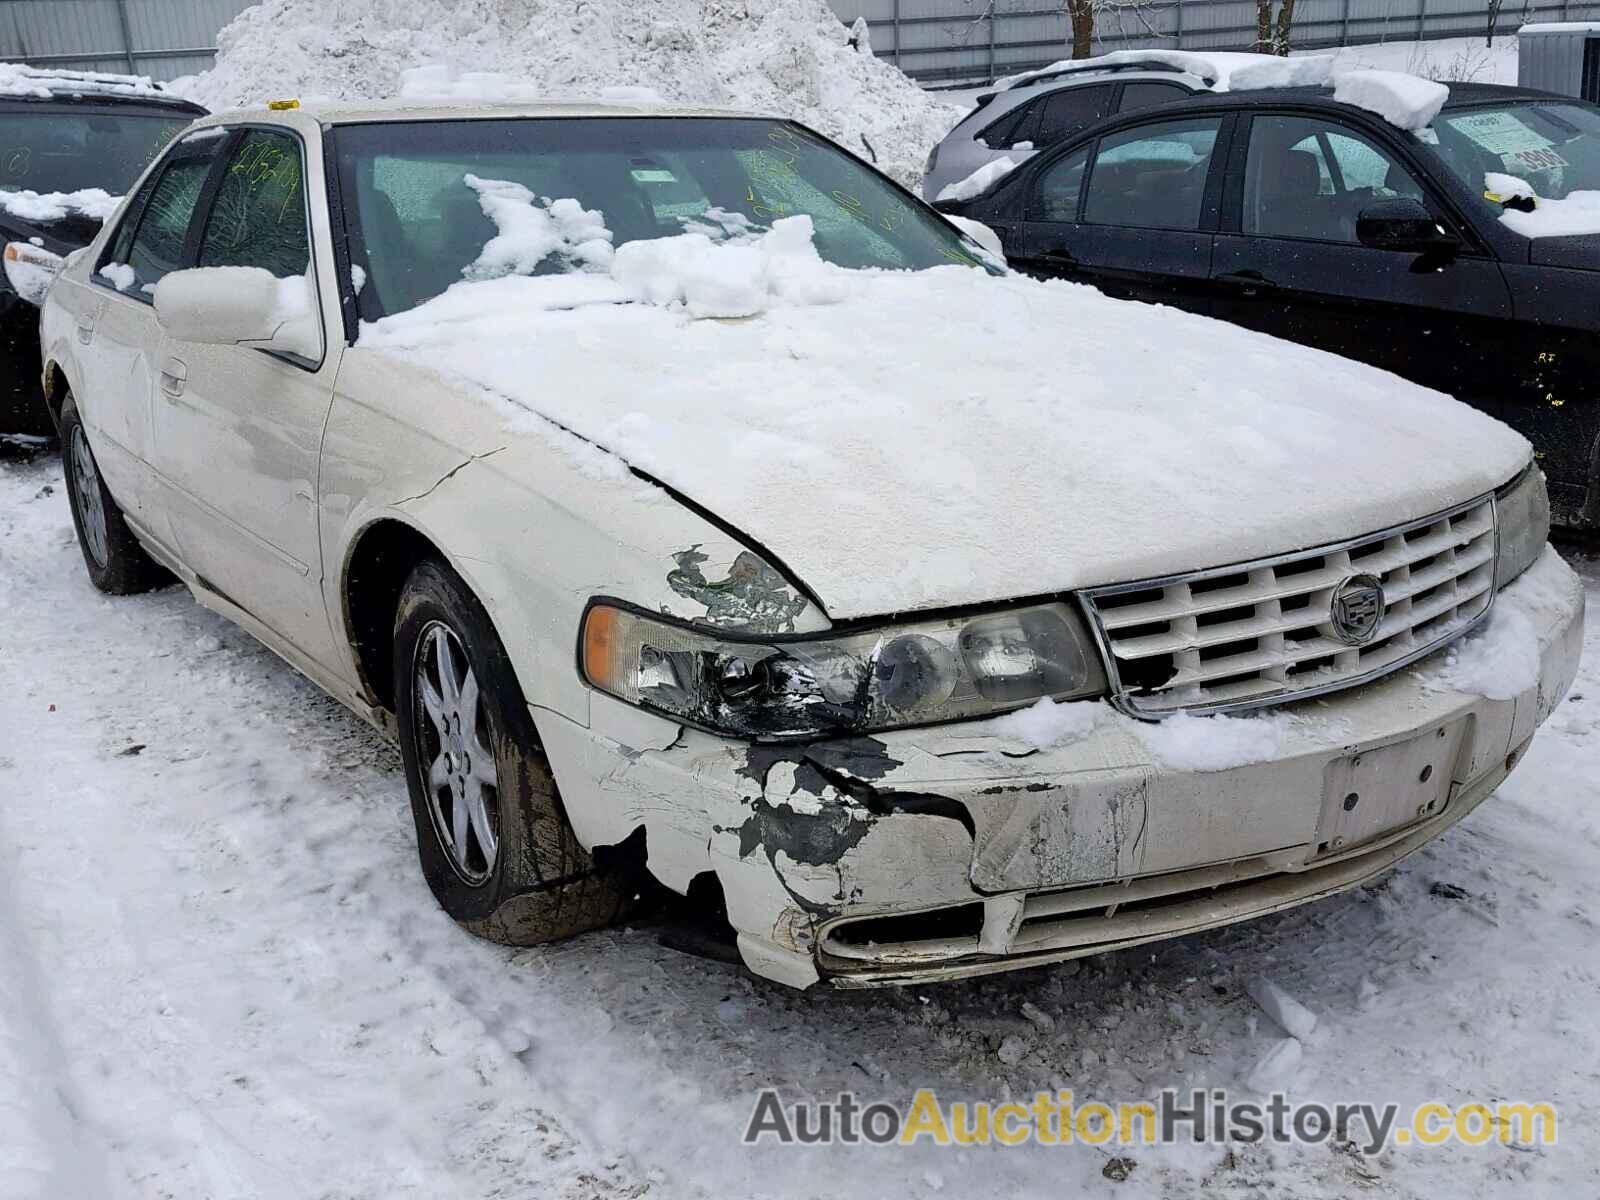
(71, 143)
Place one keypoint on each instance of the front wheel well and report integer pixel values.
(379, 565)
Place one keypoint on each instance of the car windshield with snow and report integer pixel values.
(1448, 234)
(71, 143)
(691, 502)
(432, 203)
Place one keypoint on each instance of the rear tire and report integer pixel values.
(492, 834)
(117, 563)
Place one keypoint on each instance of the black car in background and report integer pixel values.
(63, 137)
(1422, 253)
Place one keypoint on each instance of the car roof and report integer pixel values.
(1124, 73)
(41, 85)
(1462, 95)
(367, 112)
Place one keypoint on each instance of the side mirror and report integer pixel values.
(982, 234)
(1404, 225)
(240, 306)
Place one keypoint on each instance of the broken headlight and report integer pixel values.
(810, 685)
(1523, 509)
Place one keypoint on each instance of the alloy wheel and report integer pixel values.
(459, 769)
(85, 482)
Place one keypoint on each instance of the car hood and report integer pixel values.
(1582, 252)
(905, 441)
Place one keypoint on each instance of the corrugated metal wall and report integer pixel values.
(950, 41)
(1561, 61)
(161, 38)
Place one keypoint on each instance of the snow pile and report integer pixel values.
(1502, 660)
(1294, 1018)
(1577, 214)
(1181, 742)
(1222, 71)
(531, 230)
(1184, 742)
(121, 275)
(1047, 723)
(17, 79)
(1406, 101)
(788, 57)
(980, 181)
(58, 206)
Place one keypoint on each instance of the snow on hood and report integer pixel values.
(913, 440)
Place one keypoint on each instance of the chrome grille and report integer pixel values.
(1262, 633)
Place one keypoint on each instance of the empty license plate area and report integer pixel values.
(1381, 791)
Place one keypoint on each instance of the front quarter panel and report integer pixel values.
(535, 520)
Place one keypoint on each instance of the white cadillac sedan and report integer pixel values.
(687, 498)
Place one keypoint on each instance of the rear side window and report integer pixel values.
(151, 241)
(258, 218)
(1017, 126)
(1148, 95)
(1153, 176)
(1070, 110)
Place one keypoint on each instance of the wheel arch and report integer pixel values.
(56, 389)
(380, 559)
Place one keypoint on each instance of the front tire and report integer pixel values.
(117, 563)
(492, 834)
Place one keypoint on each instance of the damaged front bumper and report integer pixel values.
(954, 851)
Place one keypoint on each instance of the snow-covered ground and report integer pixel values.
(221, 974)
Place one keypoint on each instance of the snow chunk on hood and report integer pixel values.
(1406, 101)
(531, 230)
(45, 207)
(732, 278)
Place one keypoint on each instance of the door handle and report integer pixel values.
(86, 325)
(1250, 281)
(174, 375)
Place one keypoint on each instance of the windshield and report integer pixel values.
(1553, 146)
(52, 150)
(416, 193)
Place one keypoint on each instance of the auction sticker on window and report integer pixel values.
(1500, 133)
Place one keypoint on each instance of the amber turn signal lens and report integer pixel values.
(599, 643)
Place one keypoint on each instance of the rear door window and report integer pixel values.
(1153, 176)
(1069, 111)
(1148, 95)
(153, 238)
